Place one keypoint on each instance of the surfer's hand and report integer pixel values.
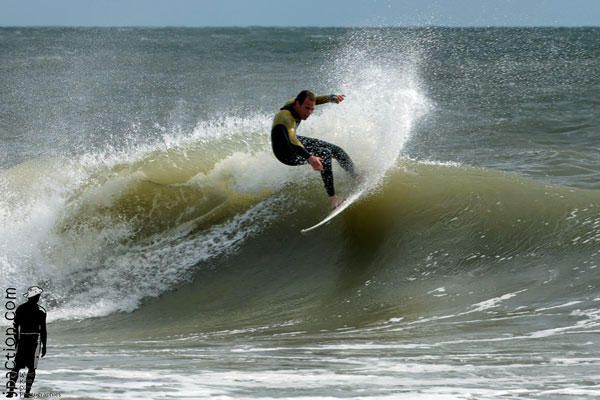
(338, 98)
(315, 163)
(43, 351)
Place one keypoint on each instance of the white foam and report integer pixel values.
(32, 201)
(591, 319)
(121, 283)
(494, 302)
(248, 173)
(568, 304)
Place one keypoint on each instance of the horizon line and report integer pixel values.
(295, 26)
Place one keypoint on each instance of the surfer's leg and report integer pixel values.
(343, 158)
(330, 150)
(327, 176)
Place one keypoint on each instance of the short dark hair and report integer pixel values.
(305, 94)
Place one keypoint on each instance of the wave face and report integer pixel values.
(107, 240)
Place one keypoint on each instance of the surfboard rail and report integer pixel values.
(337, 211)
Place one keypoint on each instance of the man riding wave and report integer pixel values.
(292, 149)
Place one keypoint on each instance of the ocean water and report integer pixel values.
(139, 189)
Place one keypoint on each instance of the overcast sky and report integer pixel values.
(198, 13)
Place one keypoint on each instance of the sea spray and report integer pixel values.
(379, 71)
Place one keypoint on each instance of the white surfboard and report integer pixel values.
(337, 211)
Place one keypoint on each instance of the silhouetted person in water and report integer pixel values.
(30, 337)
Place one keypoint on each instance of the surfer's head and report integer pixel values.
(304, 104)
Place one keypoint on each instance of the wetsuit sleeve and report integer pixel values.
(329, 98)
(324, 99)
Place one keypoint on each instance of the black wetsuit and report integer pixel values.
(291, 149)
(30, 328)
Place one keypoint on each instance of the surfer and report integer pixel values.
(30, 335)
(293, 150)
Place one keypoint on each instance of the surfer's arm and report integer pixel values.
(330, 98)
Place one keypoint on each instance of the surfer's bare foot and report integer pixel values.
(335, 201)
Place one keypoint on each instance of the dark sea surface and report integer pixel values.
(140, 191)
